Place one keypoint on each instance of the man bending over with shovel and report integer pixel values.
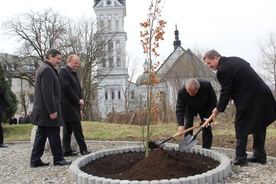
(196, 96)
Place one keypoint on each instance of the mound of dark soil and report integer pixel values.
(160, 164)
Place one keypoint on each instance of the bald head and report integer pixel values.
(192, 86)
(73, 61)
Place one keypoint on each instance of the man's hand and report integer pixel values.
(215, 111)
(53, 115)
(81, 102)
(181, 129)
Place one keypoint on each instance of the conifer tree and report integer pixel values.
(11, 107)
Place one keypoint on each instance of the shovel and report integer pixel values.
(189, 141)
(159, 143)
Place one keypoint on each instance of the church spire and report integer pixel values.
(176, 42)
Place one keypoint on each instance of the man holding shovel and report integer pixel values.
(255, 104)
(196, 96)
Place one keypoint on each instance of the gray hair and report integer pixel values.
(211, 54)
(192, 83)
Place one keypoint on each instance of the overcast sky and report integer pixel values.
(232, 27)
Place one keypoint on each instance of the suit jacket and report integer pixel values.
(23, 120)
(203, 102)
(71, 94)
(47, 97)
(255, 104)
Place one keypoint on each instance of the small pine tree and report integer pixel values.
(11, 107)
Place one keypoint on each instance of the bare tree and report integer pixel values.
(268, 54)
(35, 32)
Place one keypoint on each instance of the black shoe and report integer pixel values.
(70, 153)
(256, 160)
(62, 162)
(3, 146)
(39, 164)
(237, 162)
(85, 152)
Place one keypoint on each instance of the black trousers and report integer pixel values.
(1, 134)
(258, 146)
(1, 128)
(69, 127)
(207, 136)
(53, 135)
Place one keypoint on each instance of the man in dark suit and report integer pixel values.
(46, 112)
(197, 96)
(255, 104)
(72, 100)
(23, 119)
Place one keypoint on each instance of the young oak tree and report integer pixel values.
(151, 36)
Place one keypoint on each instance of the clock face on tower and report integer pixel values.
(108, 2)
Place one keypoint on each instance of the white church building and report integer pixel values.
(115, 92)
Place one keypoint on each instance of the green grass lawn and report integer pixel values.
(112, 131)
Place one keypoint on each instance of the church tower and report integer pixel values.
(112, 72)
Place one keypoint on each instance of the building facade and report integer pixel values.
(111, 71)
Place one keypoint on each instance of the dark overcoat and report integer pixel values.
(47, 97)
(255, 104)
(203, 102)
(71, 94)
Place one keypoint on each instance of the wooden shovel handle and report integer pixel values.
(186, 130)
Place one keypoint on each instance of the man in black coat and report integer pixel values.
(72, 99)
(46, 112)
(23, 119)
(197, 96)
(255, 104)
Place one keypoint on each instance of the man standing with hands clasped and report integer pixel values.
(46, 112)
(255, 104)
(72, 100)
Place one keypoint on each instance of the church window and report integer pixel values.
(110, 48)
(106, 95)
(131, 94)
(109, 24)
(111, 63)
(117, 22)
(119, 61)
(112, 95)
(118, 45)
(31, 67)
(119, 94)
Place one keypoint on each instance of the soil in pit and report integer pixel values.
(159, 164)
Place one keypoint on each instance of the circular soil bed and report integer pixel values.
(130, 164)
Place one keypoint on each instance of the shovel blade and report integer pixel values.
(187, 143)
(158, 143)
